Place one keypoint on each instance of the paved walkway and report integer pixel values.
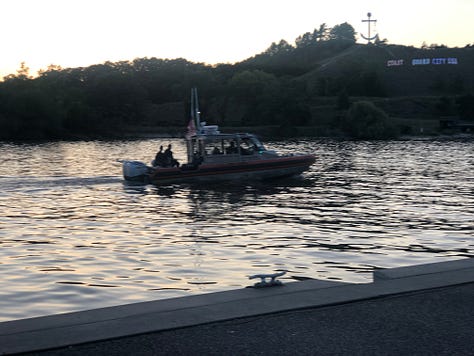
(436, 322)
(420, 310)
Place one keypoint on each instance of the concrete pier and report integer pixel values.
(308, 317)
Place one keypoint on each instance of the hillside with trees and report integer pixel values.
(324, 84)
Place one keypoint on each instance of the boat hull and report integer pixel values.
(240, 171)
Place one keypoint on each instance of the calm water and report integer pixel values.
(74, 236)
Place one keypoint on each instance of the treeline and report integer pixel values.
(95, 101)
(276, 87)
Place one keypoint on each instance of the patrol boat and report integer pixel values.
(215, 156)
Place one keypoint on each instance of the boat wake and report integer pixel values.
(16, 183)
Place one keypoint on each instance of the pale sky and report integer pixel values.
(75, 33)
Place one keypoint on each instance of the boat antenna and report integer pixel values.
(195, 109)
(192, 106)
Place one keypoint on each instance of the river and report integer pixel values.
(74, 236)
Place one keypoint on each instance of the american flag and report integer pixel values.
(191, 129)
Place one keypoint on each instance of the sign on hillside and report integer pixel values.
(423, 61)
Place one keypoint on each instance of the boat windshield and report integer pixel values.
(257, 146)
(212, 145)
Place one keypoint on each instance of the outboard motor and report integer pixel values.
(135, 171)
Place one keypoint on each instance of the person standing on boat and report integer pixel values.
(169, 159)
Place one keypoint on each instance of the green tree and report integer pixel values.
(278, 48)
(304, 40)
(252, 84)
(52, 68)
(23, 71)
(321, 34)
(365, 121)
(256, 92)
(311, 39)
(344, 31)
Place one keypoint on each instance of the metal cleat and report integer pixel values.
(268, 283)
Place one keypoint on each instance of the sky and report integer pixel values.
(79, 33)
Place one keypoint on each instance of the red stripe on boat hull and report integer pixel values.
(264, 169)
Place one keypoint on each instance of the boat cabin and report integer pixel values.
(210, 146)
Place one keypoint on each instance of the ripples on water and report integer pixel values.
(74, 236)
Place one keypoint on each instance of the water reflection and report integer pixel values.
(206, 202)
